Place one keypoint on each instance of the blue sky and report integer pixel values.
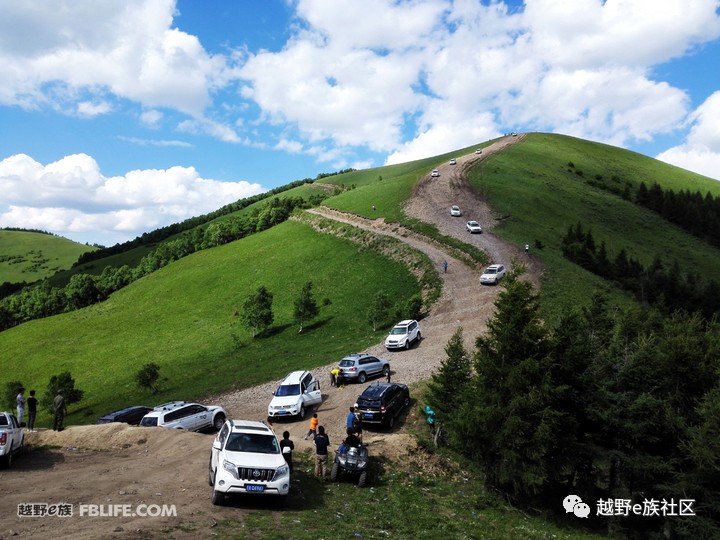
(120, 117)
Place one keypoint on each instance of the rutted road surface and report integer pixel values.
(121, 465)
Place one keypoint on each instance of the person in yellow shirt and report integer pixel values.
(313, 426)
(334, 373)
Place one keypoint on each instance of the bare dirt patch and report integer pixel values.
(118, 464)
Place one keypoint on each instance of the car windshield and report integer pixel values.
(151, 421)
(491, 271)
(369, 402)
(347, 363)
(398, 330)
(288, 390)
(252, 442)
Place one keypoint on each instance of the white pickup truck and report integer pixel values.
(12, 438)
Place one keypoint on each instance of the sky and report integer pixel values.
(119, 117)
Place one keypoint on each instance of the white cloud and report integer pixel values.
(71, 196)
(89, 109)
(126, 48)
(460, 71)
(700, 152)
(151, 118)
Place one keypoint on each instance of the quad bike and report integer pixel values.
(350, 462)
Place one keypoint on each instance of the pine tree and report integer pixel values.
(257, 312)
(507, 420)
(305, 306)
(448, 384)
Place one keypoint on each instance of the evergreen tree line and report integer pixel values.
(667, 286)
(83, 290)
(697, 214)
(604, 404)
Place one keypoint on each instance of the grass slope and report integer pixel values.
(538, 195)
(183, 318)
(30, 256)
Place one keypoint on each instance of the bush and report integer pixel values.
(11, 391)
(65, 382)
(148, 377)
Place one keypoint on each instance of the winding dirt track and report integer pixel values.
(117, 464)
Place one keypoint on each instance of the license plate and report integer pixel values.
(281, 412)
(368, 415)
(254, 487)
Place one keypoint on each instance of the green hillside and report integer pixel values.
(183, 317)
(30, 256)
(541, 186)
(547, 183)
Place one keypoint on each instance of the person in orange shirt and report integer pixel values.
(313, 426)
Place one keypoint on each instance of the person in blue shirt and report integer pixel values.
(351, 419)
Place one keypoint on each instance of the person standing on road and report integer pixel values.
(287, 447)
(59, 411)
(445, 266)
(322, 442)
(313, 426)
(32, 411)
(20, 405)
(351, 419)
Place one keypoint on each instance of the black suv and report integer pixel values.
(380, 403)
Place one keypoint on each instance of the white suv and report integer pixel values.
(181, 415)
(246, 458)
(404, 334)
(493, 274)
(298, 392)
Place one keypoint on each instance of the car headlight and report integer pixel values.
(282, 471)
(230, 467)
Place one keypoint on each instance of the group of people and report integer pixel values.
(321, 440)
(59, 409)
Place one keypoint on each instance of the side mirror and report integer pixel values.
(217, 445)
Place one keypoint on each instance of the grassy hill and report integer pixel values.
(546, 183)
(184, 318)
(30, 256)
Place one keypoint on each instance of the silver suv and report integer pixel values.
(404, 334)
(181, 415)
(358, 367)
(246, 458)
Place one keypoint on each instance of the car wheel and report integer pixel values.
(390, 422)
(6, 461)
(334, 472)
(362, 377)
(362, 480)
(301, 414)
(407, 344)
(211, 474)
(419, 337)
(218, 422)
(218, 497)
(386, 371)
(406, 402)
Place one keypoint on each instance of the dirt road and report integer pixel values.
(121, 465)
